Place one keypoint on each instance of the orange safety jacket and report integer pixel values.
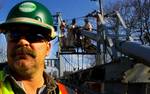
(62, 88)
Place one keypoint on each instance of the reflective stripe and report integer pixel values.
(5, 87)
(62, 89)
(60, 92)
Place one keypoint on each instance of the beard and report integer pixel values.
(23, 63)
(22, 71)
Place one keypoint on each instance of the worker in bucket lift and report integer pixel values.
(63, 37)
(28, 30)
(76, 33)
(71, 35)
(88, 27)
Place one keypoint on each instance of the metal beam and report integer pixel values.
(135, 50)
(89, 35)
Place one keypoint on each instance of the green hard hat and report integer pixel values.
(30, 13)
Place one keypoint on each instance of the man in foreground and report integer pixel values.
(28, 30)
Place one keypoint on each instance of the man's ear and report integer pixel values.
(48, 48)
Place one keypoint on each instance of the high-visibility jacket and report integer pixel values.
(5, 86)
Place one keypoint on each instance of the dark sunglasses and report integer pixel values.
(31, 37)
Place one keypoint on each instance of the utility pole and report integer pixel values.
(101, 49)
(100, 5)
(61, 64)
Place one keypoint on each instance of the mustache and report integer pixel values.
(24, 51)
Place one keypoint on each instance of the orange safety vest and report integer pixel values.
(62, 88)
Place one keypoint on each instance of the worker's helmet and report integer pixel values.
(30, 13)
(86, 20)
(73, 21)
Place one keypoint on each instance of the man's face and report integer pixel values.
(26, 50)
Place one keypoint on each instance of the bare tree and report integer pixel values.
(2, 56)
(2, 49)
(136, 14)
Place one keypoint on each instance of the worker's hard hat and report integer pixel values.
(30, 13)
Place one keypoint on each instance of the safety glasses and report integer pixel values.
(30, 37)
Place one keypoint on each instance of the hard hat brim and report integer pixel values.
(29, 21)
